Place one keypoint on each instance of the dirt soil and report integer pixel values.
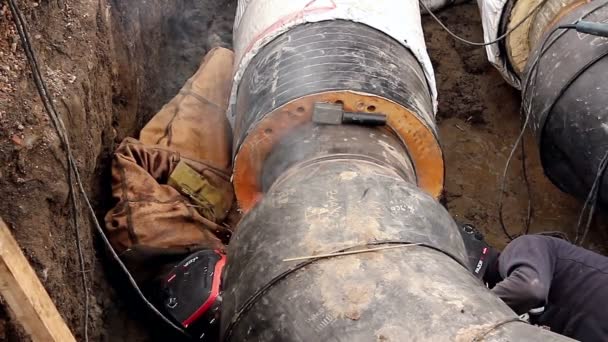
(479, 120)
(111, 64)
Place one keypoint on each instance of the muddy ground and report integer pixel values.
(479, 120)
(111, 64)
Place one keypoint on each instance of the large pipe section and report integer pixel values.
(310, 189)
(378, 65)
(563, 88)
(333, 201)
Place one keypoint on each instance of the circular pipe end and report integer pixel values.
(418, 138)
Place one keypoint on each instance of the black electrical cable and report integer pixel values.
(502, 189)
(520, 139)
(524, 171)
(528, 219)
(73, 173)
(48, 104)
(592, 198)
(480, 44)
(530, 80)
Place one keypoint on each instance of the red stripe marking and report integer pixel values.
(287, 18)
(171, 278)
(215, 291)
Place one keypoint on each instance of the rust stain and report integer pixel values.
(470, 333)
(352, 296)
(420, 140)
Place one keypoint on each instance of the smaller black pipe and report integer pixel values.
(593, 28)
(421, 292)
(566, 101)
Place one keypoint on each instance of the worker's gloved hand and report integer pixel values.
(479, 253)
(534, 314)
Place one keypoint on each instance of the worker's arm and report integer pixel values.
(527, 266)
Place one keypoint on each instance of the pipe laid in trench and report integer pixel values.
(310, 189)
(568, 107)
(345, 194)
(564, 89)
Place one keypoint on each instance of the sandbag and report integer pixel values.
(172, 186)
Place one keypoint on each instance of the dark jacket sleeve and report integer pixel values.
(526, 265)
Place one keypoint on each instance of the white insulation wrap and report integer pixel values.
(436, 5)
(491, 14)
(260, 21)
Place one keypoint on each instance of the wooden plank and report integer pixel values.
(27, 299)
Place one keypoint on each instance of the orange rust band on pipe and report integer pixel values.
(424, 149)
(563, 12)
(523, 40)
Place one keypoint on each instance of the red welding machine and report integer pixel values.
(191, 293)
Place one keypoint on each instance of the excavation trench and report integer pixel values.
(110, 65)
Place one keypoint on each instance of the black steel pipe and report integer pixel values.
(317, 189)
(566, 99)
(420, 293)
(330, 56)
(339, 62)
(312, 142)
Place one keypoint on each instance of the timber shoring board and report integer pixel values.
(27, 299)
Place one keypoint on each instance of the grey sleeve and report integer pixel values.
(527, 266)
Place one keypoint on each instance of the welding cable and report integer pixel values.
(49, 106)
(73, 172)
(592, 199)
(530, 80)
(480, 44)
(520, 137)
(519, 140)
